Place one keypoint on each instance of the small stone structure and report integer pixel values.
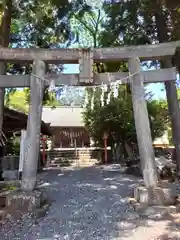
(15, 203)
(10, 166)
(164, 194)
(156, 202)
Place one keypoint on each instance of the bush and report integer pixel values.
(13, 146)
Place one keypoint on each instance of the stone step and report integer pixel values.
(74, 160)
(64, 160)
(74, 163)
(70, 156)
(82, 165)
(69, 153)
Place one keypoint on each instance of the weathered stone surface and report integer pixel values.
(2, 201)
(10, 163)
(164, 195)
(4, 184)
(125, 225)
(178, 200)
(10, 175)
(129, 216)
(155, 212)
(26, 201)
(17, 214)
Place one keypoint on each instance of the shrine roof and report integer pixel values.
(14, 121)
(65, 116)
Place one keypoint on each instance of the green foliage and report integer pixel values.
(87, 27)
(44, 24)
(13, 146)
(49, 98)
(117, 118)
(19, 100)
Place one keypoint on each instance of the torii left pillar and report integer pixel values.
(32, 142)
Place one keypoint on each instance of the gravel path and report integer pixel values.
(88, 203)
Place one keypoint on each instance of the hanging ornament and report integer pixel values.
(108, 97)
(115, 90)
(105, 87)
(92, 103)
(102, 98)
(85, 100)
(52, 86)
(92, 99)
(71, 95)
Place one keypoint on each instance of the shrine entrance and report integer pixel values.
(86, 77)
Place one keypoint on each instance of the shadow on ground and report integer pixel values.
(88, 203)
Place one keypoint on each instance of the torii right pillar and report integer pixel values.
(145, 145)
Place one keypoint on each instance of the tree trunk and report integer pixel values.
(128, 150)
(170, 86)
(4, 42)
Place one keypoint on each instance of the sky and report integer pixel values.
(157, 89)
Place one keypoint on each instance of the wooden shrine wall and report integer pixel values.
(68, 137)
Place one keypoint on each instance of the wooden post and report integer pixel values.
(143, 131)
(105, 137)
(33, 127)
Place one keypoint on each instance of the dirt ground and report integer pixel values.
(90, 203)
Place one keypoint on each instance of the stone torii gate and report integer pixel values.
(86, 77)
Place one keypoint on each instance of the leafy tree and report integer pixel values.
(19, 100)
(87, 28)
(116, 118)
(146, 22)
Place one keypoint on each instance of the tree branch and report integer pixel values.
(83, 23)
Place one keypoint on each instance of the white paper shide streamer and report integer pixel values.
(102, 97)
(108, 97)
(85, 100)
(52, 86)
(112, 89)
(92, 99)
(115, 90)
(103, 91)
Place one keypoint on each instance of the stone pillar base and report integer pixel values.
(157, 212)
(19, 203)
(163, 194)
(160, 202)
(27, 201)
